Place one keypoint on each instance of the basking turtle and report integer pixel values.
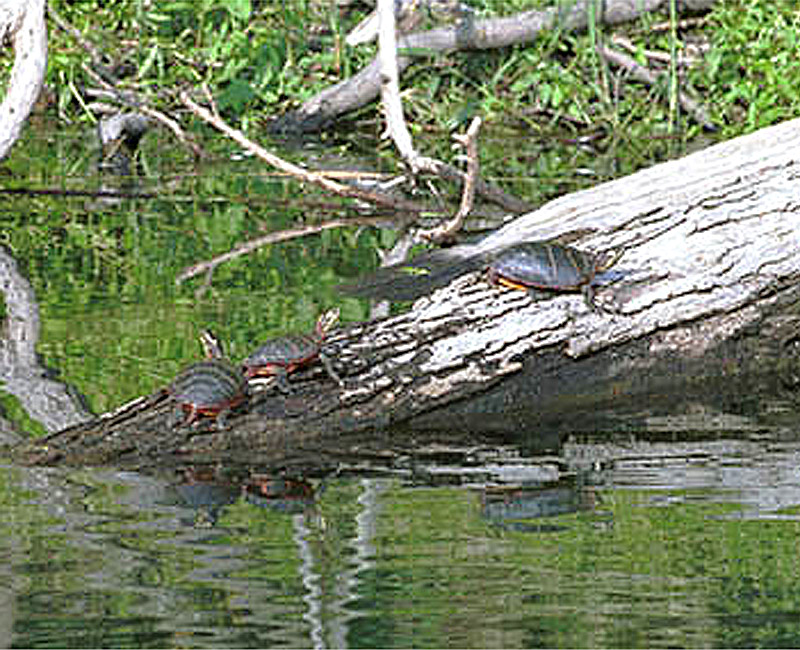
(210, 388)
(281, 356)
(544, 266)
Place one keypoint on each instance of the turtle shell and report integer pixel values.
(285, 354)
(208, 388)
(282, 355)
(541, 265)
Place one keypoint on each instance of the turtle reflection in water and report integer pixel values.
(537, 267)
(210, 388)
(281, 356)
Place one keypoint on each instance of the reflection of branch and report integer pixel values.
(315, 178)
(273, 237)
(47, 401)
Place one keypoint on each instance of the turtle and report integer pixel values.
(279, 357)
(211, 388)
(537, 266)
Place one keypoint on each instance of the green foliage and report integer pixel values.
(751, 72)
(250, 57)
(256, 57)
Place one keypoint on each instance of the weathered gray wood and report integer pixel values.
(22, 24)
(706, 312)
(47, 401)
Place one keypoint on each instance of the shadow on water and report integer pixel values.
(675, 527)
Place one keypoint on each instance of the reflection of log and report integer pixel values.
(706, 321)
(571, 15)
(49, 402)
(22, 22)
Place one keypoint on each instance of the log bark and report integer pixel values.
(705, 319)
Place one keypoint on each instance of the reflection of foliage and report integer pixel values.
(113, 320)
(650, 568)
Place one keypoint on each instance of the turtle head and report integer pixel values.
(607, 259)
(212, 347)
(326, 321)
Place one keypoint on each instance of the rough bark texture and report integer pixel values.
(705, 318)
(22, 24)
(571, 15)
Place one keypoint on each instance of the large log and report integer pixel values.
(704, 319)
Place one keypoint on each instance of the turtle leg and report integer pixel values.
(537, 294)
(281, 378)
(221, 420)
(326, 362)
(588, 296)
(178, 417)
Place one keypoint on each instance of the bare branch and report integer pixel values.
(470, 143)
(23, 24)
(644, 75)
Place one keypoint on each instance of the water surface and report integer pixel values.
(687, 538)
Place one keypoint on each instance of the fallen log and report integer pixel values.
(702, 316)
(325, 107)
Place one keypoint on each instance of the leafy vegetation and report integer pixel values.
(751, 71)
(259, 59)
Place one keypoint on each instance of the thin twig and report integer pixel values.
(641, 73)
(653, 55)
(132, 100)
(101, 75)
(94, 54)
(685, 23)
(448, 229)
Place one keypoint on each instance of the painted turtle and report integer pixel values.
(546, 266)
(208, 388)
(281, 356)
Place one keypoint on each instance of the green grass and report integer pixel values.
(262, 58)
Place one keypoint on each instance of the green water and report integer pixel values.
(101, 559)
(639, 543)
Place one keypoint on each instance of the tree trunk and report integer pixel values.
(22, 23)
(701, 318)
